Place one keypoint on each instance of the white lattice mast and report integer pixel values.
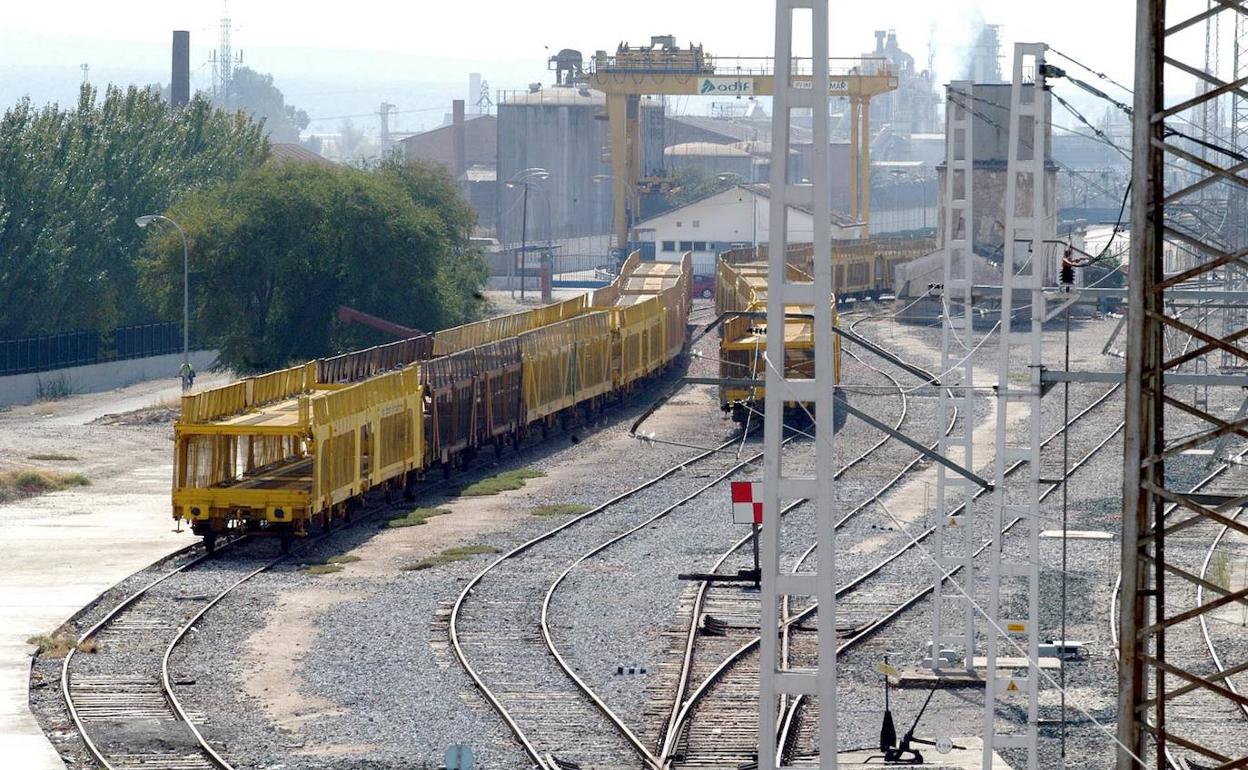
(953, 612)
(1025, 263)
(1235, 278)
(777, 485)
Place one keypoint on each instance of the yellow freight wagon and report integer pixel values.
(742, 288)
(565, 364)
(278, 452)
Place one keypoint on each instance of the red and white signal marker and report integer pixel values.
(747, 508)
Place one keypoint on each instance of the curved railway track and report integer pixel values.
(550, 713)
(549, 709)
(1211, 650)
(726, 743)
(546, 611)
(122, 701)
(739, 669)
(1198, 712)
(795, 723)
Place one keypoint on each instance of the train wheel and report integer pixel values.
(498, 447)
(286, 540)
(389, 494)
(409, 486)
(210, 542)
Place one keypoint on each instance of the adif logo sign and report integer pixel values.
(726, 87)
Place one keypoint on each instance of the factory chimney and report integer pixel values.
(880, 34)
(180, 80)
(457, 137)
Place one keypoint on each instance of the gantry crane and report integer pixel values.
(664, 69)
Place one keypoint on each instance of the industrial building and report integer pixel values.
(991, 116)
(560, 129)
(468, 147)
(724, 220)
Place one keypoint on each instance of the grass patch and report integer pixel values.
(345, 559)
(53, 388)
(28, 483)
(416, 517)
(562, 509)
(449, 556)
(321, 569)
(52, 457)
(503, 482)
(59, 645)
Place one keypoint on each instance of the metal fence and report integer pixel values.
(80, 348)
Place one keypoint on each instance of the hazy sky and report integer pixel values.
(314, 47)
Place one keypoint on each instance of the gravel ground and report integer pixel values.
(46, 700)
(395, 624)
(378, 648)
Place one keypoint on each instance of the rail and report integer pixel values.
(457, 643)
(683, 63)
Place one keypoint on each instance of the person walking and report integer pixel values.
(188, 376)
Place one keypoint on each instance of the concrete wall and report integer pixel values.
(989, 205)
(24, 388)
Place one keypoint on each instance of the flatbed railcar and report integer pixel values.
(863, 269)
(742, 288)
(292, 450)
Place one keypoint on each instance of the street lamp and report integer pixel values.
(522, 178)
(143, 222)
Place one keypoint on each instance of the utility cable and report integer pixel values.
(1033, 664)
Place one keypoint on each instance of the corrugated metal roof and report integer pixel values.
(289, 152)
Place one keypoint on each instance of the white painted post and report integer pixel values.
(1025, 265)
(953, 614)
(777, 486)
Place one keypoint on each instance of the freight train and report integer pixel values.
(864, 269)
(741, 287)
(295, 449)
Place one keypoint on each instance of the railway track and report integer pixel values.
(1202, 712)
(796, 735)
(121, 698)
(738, 670)
(722, 739)
(547, 611)
(551, 712)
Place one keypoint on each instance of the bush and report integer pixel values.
(29, 482)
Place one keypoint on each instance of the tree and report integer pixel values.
(353, 146)
(72, 183)
(254, 93)
(692, 183)
(275, 252)
(431, 186)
